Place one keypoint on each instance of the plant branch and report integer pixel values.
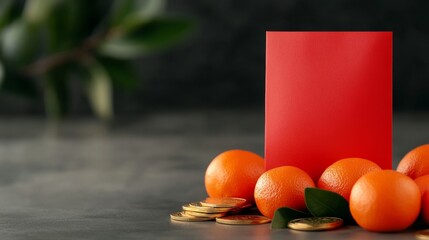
(48, 63)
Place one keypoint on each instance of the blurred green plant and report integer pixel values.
(46, 43)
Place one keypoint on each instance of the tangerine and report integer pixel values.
(343, 174)
(416, 162)
(385, 201)
(234, 173)
(281, 187)
(423, 183)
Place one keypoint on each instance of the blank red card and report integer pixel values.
(328, 97)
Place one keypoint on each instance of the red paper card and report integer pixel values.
(328, 97)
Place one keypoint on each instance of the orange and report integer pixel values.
(281, 187)
(416, 162)
(343, 174)
(385, 201)
(423, 183)
(234, 174)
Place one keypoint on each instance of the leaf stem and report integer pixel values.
(45, 64)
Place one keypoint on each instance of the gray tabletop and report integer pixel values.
(81, 180)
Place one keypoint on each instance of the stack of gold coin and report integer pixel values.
(423, 234)
(210, 209)
(181, 216)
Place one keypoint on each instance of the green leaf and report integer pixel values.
(19, 42)
(2, 73)
(37, 11)
(129, 14)
(99, 91)
(9, 11)
(154, 35)
(5, 7)
(323, 203)
(284, 215)
(56, 95)
(123, 75)
(66, 25)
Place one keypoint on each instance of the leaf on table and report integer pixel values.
(155, 35)
(129, 14)
(99, 91)
(284, 215)
(323, 203)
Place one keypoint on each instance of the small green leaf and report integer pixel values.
(129, 14)
(2, 73)
(9, 11)
(56, 94)
(19, 42)
(284, 215)
(36, 11)
(323, 203)
(99, 90)
(5, 7)
(155, 35)
(65, 26)
(123, 75)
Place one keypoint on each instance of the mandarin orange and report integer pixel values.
(343, 174)
(416, 162)
(423, 183)
(385, 201)
(281, 187)
(234, 174)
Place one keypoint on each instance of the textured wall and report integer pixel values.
(222, 63)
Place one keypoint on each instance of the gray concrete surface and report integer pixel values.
(81, 180)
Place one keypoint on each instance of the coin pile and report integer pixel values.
(223, 210)
(423, 234)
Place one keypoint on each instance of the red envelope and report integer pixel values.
(328, 97)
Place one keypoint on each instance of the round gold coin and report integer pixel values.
(423, 234)
(180, 216)
(197, 207)
(223, 202)
(315, 223)
(217, 209)
(243, 220)
(208, 215)
(240, 208)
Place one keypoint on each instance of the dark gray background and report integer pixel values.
(222, 63)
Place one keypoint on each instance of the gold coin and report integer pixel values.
(217, 209)
(197, 207)
(315, 223)
(243, 220)
(424, 234)
(240, 208)
(199, 214)
(223, 202)
(180, 216)
(246, 205)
